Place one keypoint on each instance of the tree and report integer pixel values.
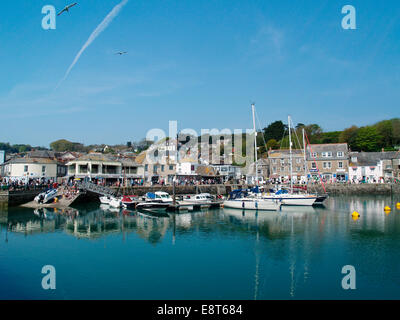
(314, 133)
(349, 136)
(368, 139)
(275, 130)
(272, 144)
(330, 137)
(65, 145)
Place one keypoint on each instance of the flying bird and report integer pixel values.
(67, 8)
(121, 53)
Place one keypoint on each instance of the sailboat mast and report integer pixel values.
(255, 141)
(290, 157)
(305, 157)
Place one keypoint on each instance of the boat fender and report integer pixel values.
(243, 204)
(387, 208)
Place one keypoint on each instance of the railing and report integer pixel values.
(102, 190)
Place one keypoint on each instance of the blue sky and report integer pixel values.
(198, 62)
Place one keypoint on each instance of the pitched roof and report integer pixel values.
(32, 160)
(370, 158)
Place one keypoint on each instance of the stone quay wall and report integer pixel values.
(16, 198)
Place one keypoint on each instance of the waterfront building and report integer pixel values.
(279, 165)
(33, 168)
(372, 167)
(330, 160)
(2, 156)
(227, 171)
(104, 168)
(263, 171)
(396, 165)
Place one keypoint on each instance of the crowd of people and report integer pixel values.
(22, 184)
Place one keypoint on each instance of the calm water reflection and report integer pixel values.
(297, 253)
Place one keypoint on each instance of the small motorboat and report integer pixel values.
(46, 197)
(159, 196)
(128, 202)
(116, 203)
(202, 199)
(105, 200)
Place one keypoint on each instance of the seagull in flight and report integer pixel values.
(67, 8)
(121, 53)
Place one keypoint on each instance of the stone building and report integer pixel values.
(330, 160)
(279, 165)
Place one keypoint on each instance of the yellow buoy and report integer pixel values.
(398, 205)
(355, 214)
(355, 218)
(387, 208)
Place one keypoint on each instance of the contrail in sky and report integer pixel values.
(100, 28)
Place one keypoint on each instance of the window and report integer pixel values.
(171, 167)
(298, 168)
(353, 159)
(313, 165)
(314, 155)
(43, 169)
(273, 169)
(327, 154)
(327, 165)
(282, 161)
(146, 167)
(25, 168)
(340, 154)
(340, 164)
(274, 161)
(155, 168)
(298, 160)
(282, 169)
(162, 168)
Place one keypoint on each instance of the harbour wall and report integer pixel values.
(15, 198)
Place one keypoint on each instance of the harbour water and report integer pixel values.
(297, 253)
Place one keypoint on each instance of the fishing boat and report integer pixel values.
(46, 197)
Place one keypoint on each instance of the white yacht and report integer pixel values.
(240, 199)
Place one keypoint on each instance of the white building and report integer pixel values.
(370, 167)
(32, 168)
(100, 166)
